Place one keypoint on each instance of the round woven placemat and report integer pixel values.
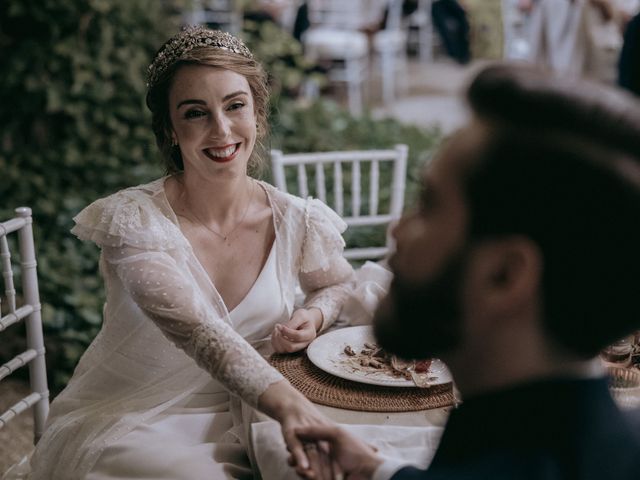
(326, 389)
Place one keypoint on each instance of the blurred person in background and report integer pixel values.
(513, 272)
(452, 24)
(578, 37)
(486, 22)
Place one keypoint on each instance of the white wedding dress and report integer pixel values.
(163, 390)
(197, 435)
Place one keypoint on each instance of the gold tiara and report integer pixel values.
(188, 39)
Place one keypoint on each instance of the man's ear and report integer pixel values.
(506, 276)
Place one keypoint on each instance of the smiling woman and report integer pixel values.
(162, 78)
(200, 268)
(220, 124)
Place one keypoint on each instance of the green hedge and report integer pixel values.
(74, 128)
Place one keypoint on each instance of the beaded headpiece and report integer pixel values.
(188, 39)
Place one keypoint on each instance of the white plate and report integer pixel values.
(327, 353)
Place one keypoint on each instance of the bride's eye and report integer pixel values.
(190, 114)
(236, 106)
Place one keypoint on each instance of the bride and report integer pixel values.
(200, 269)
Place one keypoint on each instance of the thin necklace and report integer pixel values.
(222, 236)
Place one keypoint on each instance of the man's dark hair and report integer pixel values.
(561, 166)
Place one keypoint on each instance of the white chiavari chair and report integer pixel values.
(350, 182)
(421, 32)
(336, 36)
(222, 14)
(390, 46)
(25, 307)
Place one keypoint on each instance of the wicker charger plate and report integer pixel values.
(326, 389)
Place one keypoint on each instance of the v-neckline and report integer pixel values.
(256, 281)
(176, 222)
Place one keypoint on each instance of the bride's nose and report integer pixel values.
(220, 126)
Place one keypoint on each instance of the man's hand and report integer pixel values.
(321, 465)
(298, 332)
(356, 459)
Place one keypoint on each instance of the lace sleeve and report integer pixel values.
(325, 275)
(167, 295)
(323, 240)
(128, 217)
(327, 291)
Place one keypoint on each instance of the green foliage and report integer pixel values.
(73, 128)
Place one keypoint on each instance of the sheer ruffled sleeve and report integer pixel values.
(128, 217)
(139, 245)
(325, 275)
(323, 240)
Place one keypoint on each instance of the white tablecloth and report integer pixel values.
(414, 445)
(410, 436)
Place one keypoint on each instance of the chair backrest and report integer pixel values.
(344, 14)
(221, 14)
(421, 31)
(394, 15)
(29, 311)
(366, 187)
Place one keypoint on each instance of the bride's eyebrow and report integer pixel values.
(191, 101)
(234, 94)
(195, 101)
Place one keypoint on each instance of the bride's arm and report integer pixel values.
(325, 276)
(167, 296)
(326, 291)
(166, 293)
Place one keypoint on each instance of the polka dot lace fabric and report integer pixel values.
(166, 330)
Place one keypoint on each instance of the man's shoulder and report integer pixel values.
(624, 464)
(496, 466)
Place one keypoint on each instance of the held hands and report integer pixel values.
(294, 411)
(335, 454)
(319, 449)
(298, 332)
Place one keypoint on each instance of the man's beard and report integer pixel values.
(417, 321)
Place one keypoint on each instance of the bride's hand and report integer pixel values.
(298, 332)
(294, 411)
(318, 462)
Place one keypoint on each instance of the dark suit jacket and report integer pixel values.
(548, 430)
(629, 64)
